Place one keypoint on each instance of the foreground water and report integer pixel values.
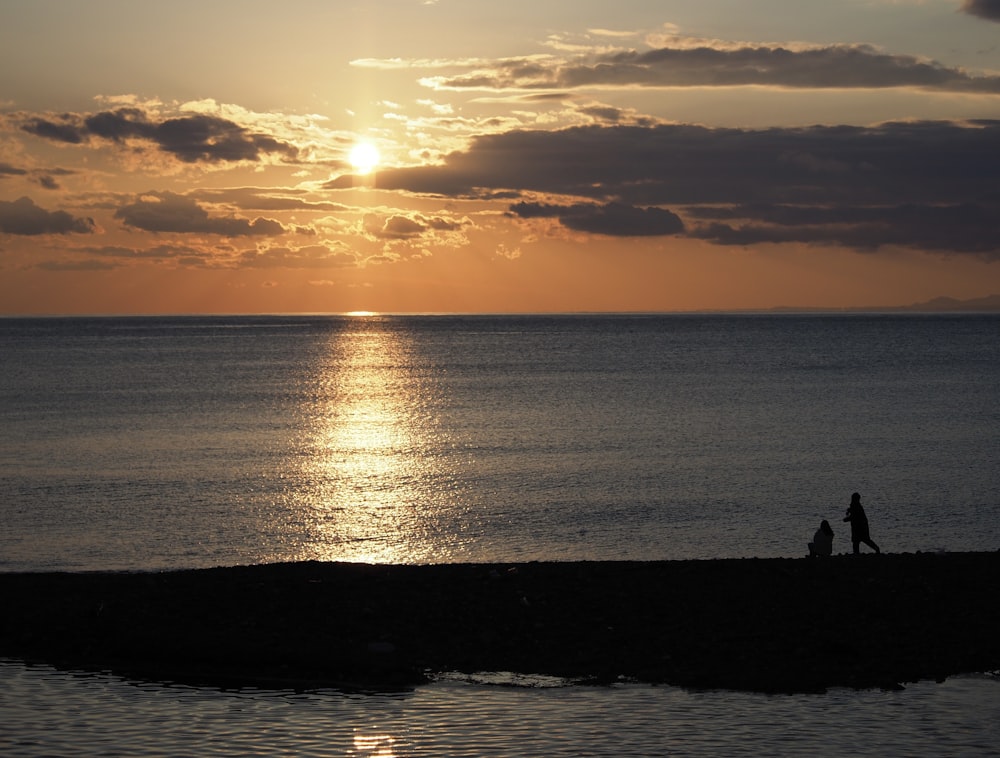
(54, 714)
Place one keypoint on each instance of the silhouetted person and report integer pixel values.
(859, 524)
(822, 543)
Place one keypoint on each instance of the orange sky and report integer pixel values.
(574, 157)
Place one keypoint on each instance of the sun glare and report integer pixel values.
(363, 157)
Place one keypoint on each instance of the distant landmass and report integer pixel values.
(988, 304)
(940, 304)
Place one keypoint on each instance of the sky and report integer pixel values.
(202, 157)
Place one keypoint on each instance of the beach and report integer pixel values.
(765, 625)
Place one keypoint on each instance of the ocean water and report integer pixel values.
(154, 443)
(160, 443)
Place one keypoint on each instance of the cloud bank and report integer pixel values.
(611, 219)
(988, 9)
(169, 212)
(723, 65)
(199, 138)
(22, 216)
(927, 161)
(924, 184)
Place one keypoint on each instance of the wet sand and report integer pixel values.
(770, 625)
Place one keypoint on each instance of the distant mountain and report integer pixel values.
(949, 304)
(989, 304)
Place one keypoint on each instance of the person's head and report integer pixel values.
(825, 526)
(855, 498)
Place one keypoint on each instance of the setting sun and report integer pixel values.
(637, 157)
(363, 157)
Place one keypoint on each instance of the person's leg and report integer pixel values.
(872, 545)
(857, 546)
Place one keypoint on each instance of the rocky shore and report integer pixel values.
(770, 625)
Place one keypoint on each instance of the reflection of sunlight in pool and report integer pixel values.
(374, 492)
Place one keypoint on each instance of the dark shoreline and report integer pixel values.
(767, 625)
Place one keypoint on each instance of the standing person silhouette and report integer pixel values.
(859, 525)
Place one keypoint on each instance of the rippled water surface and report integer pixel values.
(153, 443)
(186, 442)
(49, 713)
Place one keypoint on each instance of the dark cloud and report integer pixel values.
(394, 227)
(833, 66)
(22, 216)
(930, 185)
(157, 253)
(966, 228)
(606, 113)
(110, 257)
(691, 164)
(206, 138)
(44, 178)
(840, 66)
(611, 115)
(191, 139)
(612, 219)
(988, 9)
(933, 162)
(400, 226)
(119, 125)
(168, 212)
(8, 170)
(441, 224)
(64, 131)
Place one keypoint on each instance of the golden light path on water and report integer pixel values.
(376, 490)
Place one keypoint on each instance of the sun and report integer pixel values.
(363, 157)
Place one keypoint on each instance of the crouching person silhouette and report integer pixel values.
(822, 543)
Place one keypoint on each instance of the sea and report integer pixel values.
(161, 443)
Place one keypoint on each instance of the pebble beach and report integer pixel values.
(765, 625)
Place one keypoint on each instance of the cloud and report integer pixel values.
(928, 184)
(389, 64)
(109, 257)
(965, 228)
(57, 132)
(22, 216)
(332, 255)
(169, 212)
(667, 164)
(722, 65)
(988, 9)
(263, 199)
(311, 256)
(397, 227)
(190, 139)
(88, 265)
(612, 219)
(44, 178)
(8, 170)
(182, 254)
(400, 226)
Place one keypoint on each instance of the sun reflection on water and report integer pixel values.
(375, 485)
(380, 745)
